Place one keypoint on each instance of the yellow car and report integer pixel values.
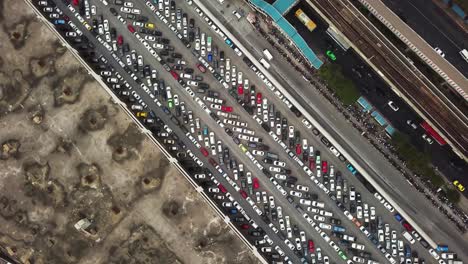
(149, 25)
(243, 148)
(460, 187)
(142, 114)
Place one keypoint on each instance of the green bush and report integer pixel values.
(343, 87)
(453, 195)
(417, 161)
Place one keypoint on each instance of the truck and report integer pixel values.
(442, 248)
(267, 54)
(305, 20)
(265, 63)
(338, 229)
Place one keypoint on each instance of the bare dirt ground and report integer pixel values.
(71, 158)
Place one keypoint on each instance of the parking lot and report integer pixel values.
(265, 166)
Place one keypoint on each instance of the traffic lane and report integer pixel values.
(432, 24)
(166, 119)
(241, 67)
(379, 166)
(234, 148)
(219, 132)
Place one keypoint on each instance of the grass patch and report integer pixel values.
(417, 161)
(343, 87)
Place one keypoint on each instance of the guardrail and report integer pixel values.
(293, 101)
(144, 130)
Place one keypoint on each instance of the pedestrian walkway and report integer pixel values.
(289, 30)
(283, 6)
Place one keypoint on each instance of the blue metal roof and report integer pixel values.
(390, 130)
(365, 104)
(380, 119)
(289, 30)
(284, 5)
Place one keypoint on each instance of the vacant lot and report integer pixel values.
(79, 183)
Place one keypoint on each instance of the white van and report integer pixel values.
(408, 237)
(464, 54)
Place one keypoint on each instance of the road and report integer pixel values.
(227, 140)
(437, 29)
(432, 221)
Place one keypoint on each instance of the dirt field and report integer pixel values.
(79, 183)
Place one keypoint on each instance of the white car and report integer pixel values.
(136, 11)
(279, 210)
(291, 132)
(275, 169)
(393, 106)
(319, 218)
(359, 212)
(372, 213)
(440, 52)
(305, 202)
(279, 163)
(150, 38)
(281, 223)
(294, 193)
(302, 188)
(271, 199)
(258, 152)
(280, 176)
(125, 10)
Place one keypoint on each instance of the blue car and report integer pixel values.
(351, 169)
(210, 57)
(229, 42)
(398, 217)
(59, 22)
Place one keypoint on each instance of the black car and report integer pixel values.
(164, 53)
(113, 11)
(191, 23)
(290, 199)
(157, 33)
(177, 67)
(165, 40)
(188, 70)
(176, 55)
(221, 55)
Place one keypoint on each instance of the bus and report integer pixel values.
(305, 20)
(267, 54)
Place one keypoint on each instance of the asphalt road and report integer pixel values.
(432, 24)
(166, 119)
(220, 132)
(414, 203)
(378, 93)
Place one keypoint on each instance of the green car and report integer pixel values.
(342, 255)
(170, 103)
(331, 55)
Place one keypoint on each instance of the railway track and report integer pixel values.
(413, 88)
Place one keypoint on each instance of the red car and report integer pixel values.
(222, 188)
(201, 67)
(240, 90)
(243, 194)
(120, 40)
(76, 2)
(175, 75)
(311, 162)
(298, 149)
(259, 98)
(245, 226)
(227, 109)
(204, 152)
(255, 183)
(311, 246)
(324, 166)
(131, 28)
(407, 226)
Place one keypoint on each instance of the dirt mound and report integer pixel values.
(10, 149)
(125, 146)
